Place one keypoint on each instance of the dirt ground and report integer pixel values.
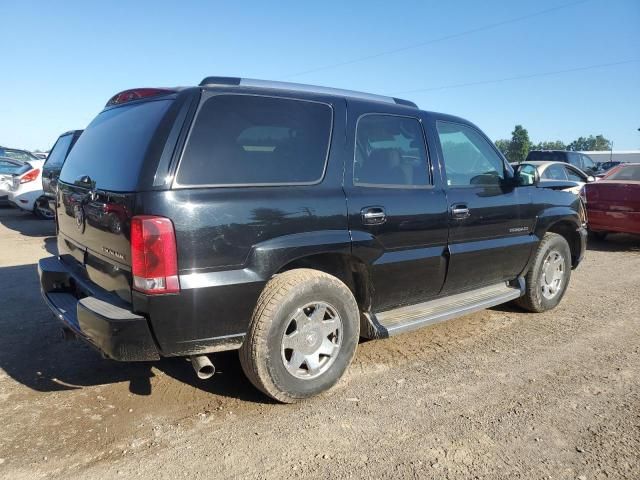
(497, 394)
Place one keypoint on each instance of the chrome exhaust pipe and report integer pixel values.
(203, 367)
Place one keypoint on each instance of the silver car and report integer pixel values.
(562, 172)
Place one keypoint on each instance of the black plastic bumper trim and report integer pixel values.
(111, 328)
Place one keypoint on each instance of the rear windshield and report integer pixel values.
(546, 156)
(631, 172)
(13, 168)
(112, 148)
(254, 140)
(59, 151)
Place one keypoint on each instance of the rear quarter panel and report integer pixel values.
(231, 240)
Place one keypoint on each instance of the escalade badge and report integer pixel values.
(79, 215)
(113, 253)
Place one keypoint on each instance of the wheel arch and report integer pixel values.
(352, 271)
(328, 251)
(563, 221)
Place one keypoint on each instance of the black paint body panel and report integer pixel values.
(232, 240)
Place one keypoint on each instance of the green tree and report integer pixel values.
(520, 145)
(503, 145)
(590, 143)
(549, 145)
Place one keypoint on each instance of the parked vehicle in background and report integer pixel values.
(613, 203)
(41, 155)
(604, 167)
(577, 159)
(27, 190)
(9, 168)
(623, 156)
(17, 154)
(51, 170)
(553, 172)
(287, 221)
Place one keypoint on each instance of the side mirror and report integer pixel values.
(526, 175)
(591, 179)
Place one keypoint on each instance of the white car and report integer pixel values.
(27, 189)
(551, 172)
(9, 168)
(564, 172)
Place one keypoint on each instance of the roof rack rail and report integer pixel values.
(300, 87)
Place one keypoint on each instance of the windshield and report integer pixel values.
(587, 163)
(14, 154)
(631, 172)
(112, 148)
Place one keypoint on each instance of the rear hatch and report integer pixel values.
(614, 196)
(100, 184)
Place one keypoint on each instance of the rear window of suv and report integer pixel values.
(256, 140)
(111, 150)
(546, 157)
(57, 155)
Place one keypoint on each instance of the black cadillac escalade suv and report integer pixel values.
(287, 221)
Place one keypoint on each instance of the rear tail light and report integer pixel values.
(30, 176)
(154, 258)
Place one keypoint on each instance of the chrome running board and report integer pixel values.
(405, 319)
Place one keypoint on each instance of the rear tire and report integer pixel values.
(548, 277)
(41, 209)
(302, 337)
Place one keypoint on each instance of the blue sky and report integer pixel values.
(63, 60)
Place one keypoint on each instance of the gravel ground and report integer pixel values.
(497, 394)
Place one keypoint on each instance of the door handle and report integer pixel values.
(373, 215)
(460, 211)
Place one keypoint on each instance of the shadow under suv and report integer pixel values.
(287, 221)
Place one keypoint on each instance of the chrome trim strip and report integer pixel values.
(395, 326)
(217, 279)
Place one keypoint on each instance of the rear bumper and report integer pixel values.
(102, 320)
(614, 221)
(24, 200)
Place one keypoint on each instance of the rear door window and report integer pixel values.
(390, 151)
(112, 149)
(256, 140)
(574, 176)
(555, 172)
(59, 152)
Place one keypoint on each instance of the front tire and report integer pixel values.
(548, 277)
(303, 335)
